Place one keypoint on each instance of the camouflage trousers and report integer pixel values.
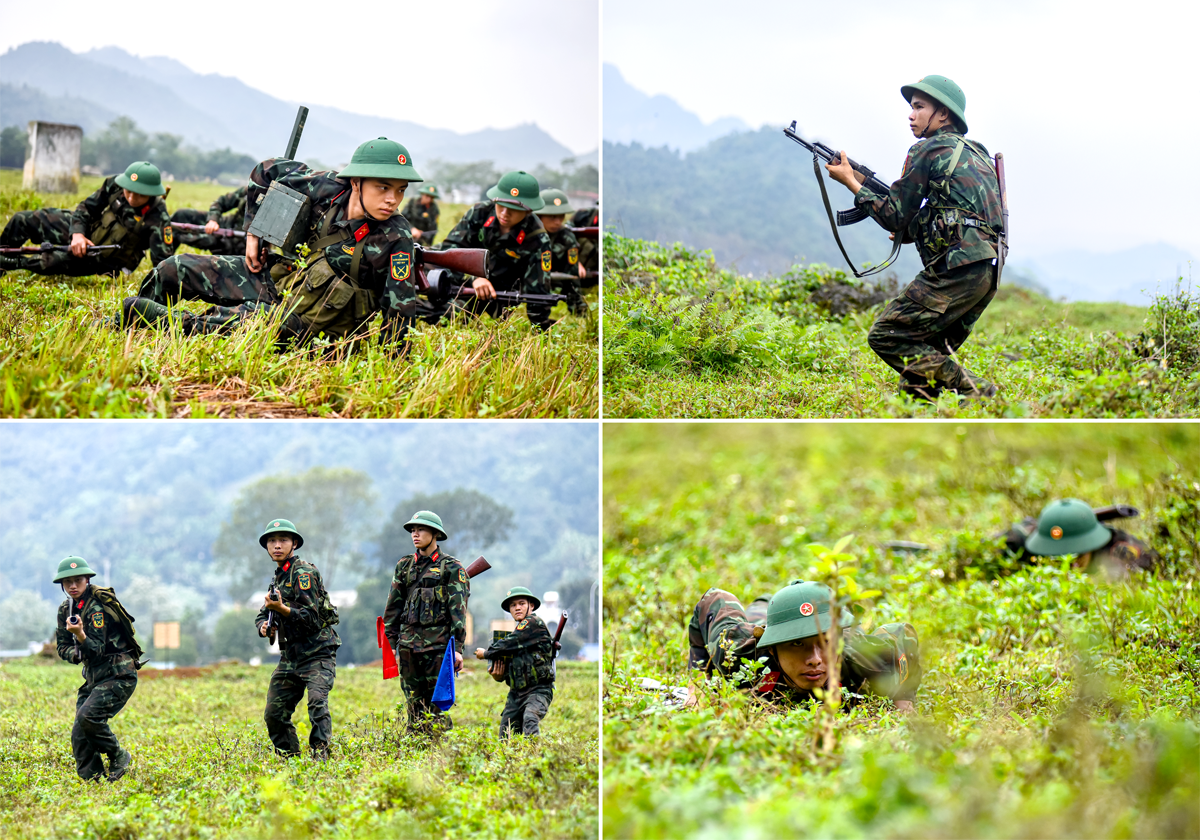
(235, 292)
(719, 623)
(51, 226)
(918, 331)
(231, 246)
(524, 710)
(91, 736)
(288, 684)
(418, 678)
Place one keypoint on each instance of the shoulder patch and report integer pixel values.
(401, 265)
(546, 261)
(572, 255)
(98, 619)
(523, 624)
(462, 575)
(304, 580)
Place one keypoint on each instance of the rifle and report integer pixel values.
(585, 232)
(1002, 251)
(272, 617)
(563, 276)
(70, 613)
(200, 229)
(558, 631)
(854, 215)
(478, 567)
(297, 130)
(1111, 512)
(92, 250)
(472, 261)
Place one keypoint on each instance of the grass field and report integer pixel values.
(58, 361)
(1053, 704)
(686, 339)
(203, 767)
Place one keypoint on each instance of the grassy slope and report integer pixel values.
(203, 766)
(1052, 705)
(684, 339)
(59, 363)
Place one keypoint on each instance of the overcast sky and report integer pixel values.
(1093, 104)
(477, 64)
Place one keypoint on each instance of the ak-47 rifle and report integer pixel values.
(585, 232)
(1111, 512)
(558, 631)
(1002, 251)
(856, 214)
(472, 261)
(273, 627)
(478, 567)
(563, 276)
(200, 229)
(92, 250)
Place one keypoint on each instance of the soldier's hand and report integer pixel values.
(457, 662)
(416, 234)
(211, 226)
(582, 272)
(262, 630)
(497, 669)
(905, 707)
(79, 244)
(484, 290)
(252, 261)
(844, 173)
(479, 652)
(692, 700)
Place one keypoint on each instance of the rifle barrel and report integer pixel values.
(38, 249)
(200, 229)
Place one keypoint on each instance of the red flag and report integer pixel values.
(389, 659)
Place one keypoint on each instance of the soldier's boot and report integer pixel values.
(118, 765)
(972, 387)
(921, 391)
(143, 312)
(320, 751)
(9, 264)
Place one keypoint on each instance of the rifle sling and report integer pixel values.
(896, 243)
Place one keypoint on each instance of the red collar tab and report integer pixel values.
(768, 682)
(287, 566)
(489, 222)
(145, 208)
(434, 557)
(520, 237)
(361, 232)
(79, 606)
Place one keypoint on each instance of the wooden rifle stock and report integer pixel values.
(558, 631)
(478, 567)
(472, 261)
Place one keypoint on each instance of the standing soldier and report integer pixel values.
(1070, 526)
(518, 250)
(298, 613)
(947, 201)
(233, 204)
(95, 629)
(525, 658)
(426, 610)
(422, 213)
(359, 262)
(564, 250)
(127, 211)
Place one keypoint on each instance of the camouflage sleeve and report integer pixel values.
(89, 211)
(399, 301)
(397, 596)
(162, 236)
(94, 637)
(225, 203)
(886, 662)
(465, 232)
(64, 641)
(896, 210)
(531, 633)
(719, 636)
(536, 281)
(459, 586)
(304, 619)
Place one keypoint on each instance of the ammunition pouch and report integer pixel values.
(426, 606)
(110, 231)
(528, 669)
(324, 300)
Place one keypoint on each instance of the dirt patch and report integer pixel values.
(231, 399)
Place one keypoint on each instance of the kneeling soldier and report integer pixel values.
(127, 211)
(525, 658)
(884, 662)
(564, 250)
(93, 628)
(426, 610)
(298, 612)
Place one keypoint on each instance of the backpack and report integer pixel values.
(115, 610)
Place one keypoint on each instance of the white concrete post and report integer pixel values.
(52, 157)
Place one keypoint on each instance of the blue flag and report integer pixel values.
(443, 692)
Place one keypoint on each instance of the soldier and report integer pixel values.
(1070, 526)
(525, 658)
(589, 253)
(518, 250)
(947, 200)
(128, 211)
(93, 628)
(426, 610)
(722, 639)
(359, 262)
(564, 249)
(233, 204)
(422, 213)
(298, 613)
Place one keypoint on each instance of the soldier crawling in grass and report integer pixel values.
(426, 610)
(793, 640)
(564, 250)
(524, 659)
(233, 206)
(129, 211)
(298, 614)
(94, 629)
(1070, 526)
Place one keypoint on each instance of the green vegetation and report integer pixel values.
(1053, 704)
(203, 767)
(58, 360)
(684, 338)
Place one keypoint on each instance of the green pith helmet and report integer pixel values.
(72, 566)
(143, 178)
(280, 526)
(1067, 526)
(945, 92)
(382, 158)
(430, 520)
(430, 190)
(556, 203)
(795, 610)
(519, 592)
(518, 190)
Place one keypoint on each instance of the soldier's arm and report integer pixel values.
(896, 210)
(887, 661)
(94, 637)
(225, 203)
(261, 618)
(533, 635)
(399, 300)
(63, 640)
(159, 248)
(465, 233)
(89, 211)
(459, 587)
(397, 596)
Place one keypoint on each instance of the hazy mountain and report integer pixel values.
(1133, 275)
(631, 116)
(20, 103)
(215, 111)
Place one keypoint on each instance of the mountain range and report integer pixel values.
(630, 115)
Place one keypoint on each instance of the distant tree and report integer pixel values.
(118, 145)
(451, 176)
(236, 637)
(28, 617)
(13, 141)
(473, 520)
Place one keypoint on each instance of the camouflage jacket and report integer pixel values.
(589, 253)
(302, 635)
(423, 218)
(1122, 554)
(517, 260)
(386, 263)
(235, 201)
(564, 252)
(106, 218)
(886, 661)
(954, 218)
(528, 653)
(105, 651)
(427, 604)
(586, 217)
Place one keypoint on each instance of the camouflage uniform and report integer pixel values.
(721, 639)
(528, 656)
(104, 217)
(589, 252)
(1122, 554)
(955, 221)
(383, 285)
(221, 245)
(564, 259)
(426, 610)
(308, 659)
(110, 677)
(423, 219)
(517, 261)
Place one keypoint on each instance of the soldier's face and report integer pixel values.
(923, 113)
(519, 608)
(75, 586)
(135, 199)
(426, 200)
(803, 662)
(280, 546)
(382, 196)
(553, 224)
(422, 538)
(507, 216)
